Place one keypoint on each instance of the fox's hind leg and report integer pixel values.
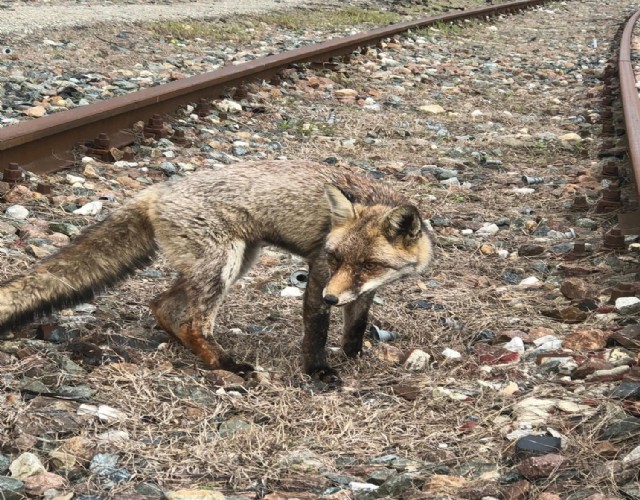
(170, 306)
(355, 324)
(188, 310)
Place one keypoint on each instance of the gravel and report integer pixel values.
(438, 410)
(23, 18)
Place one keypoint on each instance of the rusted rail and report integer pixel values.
(629, 97)
(46, 144)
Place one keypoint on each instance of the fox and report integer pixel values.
(355, 233)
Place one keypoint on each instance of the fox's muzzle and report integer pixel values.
(332, 300)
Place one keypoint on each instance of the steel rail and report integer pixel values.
(46, 144)
(630, 99)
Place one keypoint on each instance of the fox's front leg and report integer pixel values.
(316, 313)
(356, 315)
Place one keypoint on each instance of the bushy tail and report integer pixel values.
(102, 255)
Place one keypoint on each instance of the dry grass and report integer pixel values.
(172, 405)
(247, 28)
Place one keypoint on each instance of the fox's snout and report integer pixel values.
(332, 300)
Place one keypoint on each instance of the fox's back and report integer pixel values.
(278, 202)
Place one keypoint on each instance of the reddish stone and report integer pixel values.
(517, 491)
(39, 483)
(628, 337)
(575, 289)
(539, 332)
(19, 194)
(585, 340)
(606, 449)
(507, 335)
(590, 366)
(542, 466)
(549, 496)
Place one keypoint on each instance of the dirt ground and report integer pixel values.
(453, 117)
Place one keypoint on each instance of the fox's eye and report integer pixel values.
(370, 266)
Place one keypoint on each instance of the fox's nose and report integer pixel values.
(332, 300)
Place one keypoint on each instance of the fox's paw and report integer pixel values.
(325, 374)
(352, 350)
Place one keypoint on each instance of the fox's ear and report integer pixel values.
(341, 208)
(403, 221)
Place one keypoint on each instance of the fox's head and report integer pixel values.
(371, 245)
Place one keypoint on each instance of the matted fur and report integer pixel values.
(211, 226)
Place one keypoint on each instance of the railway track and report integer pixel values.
(51, 142)
(631, 110)
(47, 144)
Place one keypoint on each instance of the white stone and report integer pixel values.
(633, 456)
(533, 411)
(75, 179)
(125, 164)
(91, 208)
(103, 412)
(434, 109)
(26, 465)
(114, 436)
(356, 486)
(475, 113)
(292, 291)
(524, 190)
(488, 229)
(17, 212)
(451, 354)
(543, 340)
(194, 495)
(453, 181)
(571, 407)
(229, 106)
(443, 392)
(418, 360)
(570, 137)
(530, 281)
(514, 345)
(628, 305)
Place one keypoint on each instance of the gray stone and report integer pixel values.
(64, 228)
(395, 486)
(631, 490)
(562, 248)
(33, 385)
(233, 425)
(586, 223)
(239, 151)
(168, 167)
(104, 465)
(380, 476)
(149, 490)
(76, 391)
(440, 221)
(628, 305)
(11, 489)
(4, 463)
(622, 429)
